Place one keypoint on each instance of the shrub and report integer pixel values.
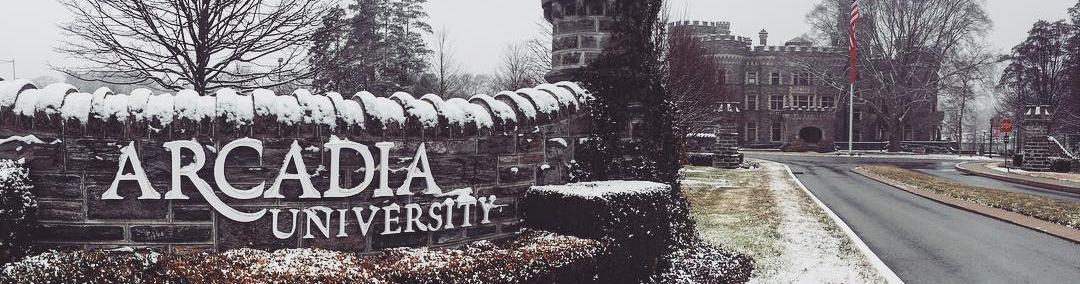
(701, 262)
(639, 220)
(700, 159)
(1061, 164)
(18, 210)
(1018, 160)
(533, 257)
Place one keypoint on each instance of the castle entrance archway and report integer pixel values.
(810, 135)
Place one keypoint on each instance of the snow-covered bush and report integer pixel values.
(701, 262)
(86, 267)
(700, 159)
(532, 257)
(1061, 164)
(637, 219)
(18, 210)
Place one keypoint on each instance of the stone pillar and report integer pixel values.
(1036, 141)
(727, 137)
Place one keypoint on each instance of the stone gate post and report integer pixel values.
(1036, 142)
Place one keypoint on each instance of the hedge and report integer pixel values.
(636, 219)
(18, 210)
(532, 257)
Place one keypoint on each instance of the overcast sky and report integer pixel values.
(480, 29)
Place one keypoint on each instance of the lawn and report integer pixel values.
(1058, 211)
(762, 212)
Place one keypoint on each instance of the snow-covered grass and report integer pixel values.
(1070, 177)
(876, 154)
(762, 212)
(1053, 210)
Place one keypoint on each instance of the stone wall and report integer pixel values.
(497, 145)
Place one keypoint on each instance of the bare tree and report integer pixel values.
(904, 45)
(539, 50)
(472, 84)
(191, 44)
(516, 70)
(963, 90)
(695, 81)
(446, 69)
(524, 64)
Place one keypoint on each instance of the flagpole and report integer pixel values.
(851, 121)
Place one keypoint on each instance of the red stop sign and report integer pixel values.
(1006, 125)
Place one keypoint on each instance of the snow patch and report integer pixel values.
(319, 109)
(77, 107)
(348, 111)
(545, 103)
(286, 109)
(137, 102)
(113, 106)
(160, 107)
(236, 109)
(423, 111)
(382, 109)
(501, 110)
(190, 105)
(603, 189)
(27, 102)
(9, 91)
(524, 105)
(564, 96)
(28, 140)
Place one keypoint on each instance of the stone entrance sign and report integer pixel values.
(191, 172)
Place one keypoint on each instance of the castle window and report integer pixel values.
(803, 79)
(802, 101)
(751, 102)
(857, 116)
(776, 102)
(777, 132)
(751, 78)
(751, 131)
(774, 79)
(827, 102)
(909, 134)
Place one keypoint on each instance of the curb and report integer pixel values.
(1007, 178)
(1018, 219)
(882, 269)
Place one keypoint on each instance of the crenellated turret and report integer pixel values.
(580, 29)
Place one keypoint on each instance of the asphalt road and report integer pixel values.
(927, 242)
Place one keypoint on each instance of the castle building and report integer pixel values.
(795, 92)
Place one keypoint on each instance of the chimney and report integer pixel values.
(764, 36)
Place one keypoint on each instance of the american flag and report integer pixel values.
(853, 50)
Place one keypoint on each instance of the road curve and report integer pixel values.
(927, 242)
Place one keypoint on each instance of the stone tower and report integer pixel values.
(580, 29)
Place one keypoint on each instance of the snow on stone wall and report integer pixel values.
(72, 140)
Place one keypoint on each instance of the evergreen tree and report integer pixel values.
(1039, 70)
(376, 45)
